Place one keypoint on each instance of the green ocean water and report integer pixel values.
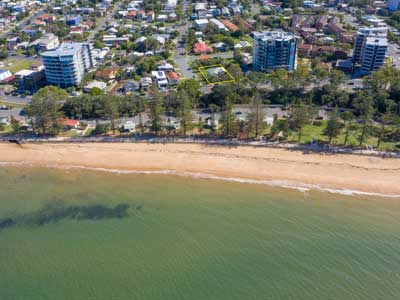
(183, 238)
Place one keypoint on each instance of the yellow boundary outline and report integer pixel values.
(202, 72)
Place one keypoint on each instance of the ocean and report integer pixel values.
(81, 234)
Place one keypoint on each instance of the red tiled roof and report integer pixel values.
(108, 73)
(8, 79)
(70, 122)
(171, 75)
(201, 48)
(230, 25)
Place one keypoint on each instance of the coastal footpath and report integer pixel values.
(280, 167)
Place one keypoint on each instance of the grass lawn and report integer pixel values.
(12, 104)
(313, 132)
(15, 65)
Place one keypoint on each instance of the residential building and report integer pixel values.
(95, 84)
(73, 20)
(47, 42)
(111, 40)
(173, 77)
(5, 75)
(30, 80)
(201, 23)
(230, 25)
(274, 50)
(218, 24)
(393, 5)
(201, 47)
(67, 65)
(374, 54)
(362, 35)
(109, 73)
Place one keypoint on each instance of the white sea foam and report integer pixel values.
(299, 186)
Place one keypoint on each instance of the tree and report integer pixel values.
(185, 112)
(229, 121)
(201, 125)
(384, 119)
(45, 109)
(156, 112)
(364, 103)
(301, 115)
(255, 119)
(111, 110)
(333, 126)
(15, 124)
(348, 118)
(191, 87)
(96, 92)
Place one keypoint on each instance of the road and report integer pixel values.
(393, 51)
(180, 56)
(108, 18)
(350, 20)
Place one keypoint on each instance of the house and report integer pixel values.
(218, 24)
(107, 73)
(131, 14)
(46, 42)
(345, 65)
(12, 43)
(201, 47)
(129, 126)
(151, 16)
(77, 30)
(140, 40)
(145, 82)
(201, 23)
(73, 20)
(160, 78)
(173, 77)
(140, 15)
(111, 40)
(219, 46)
(165, 67)
(95, 84)
(130, 86)
(6, 76)
(46, 18)
(162, 18)
(71, 124)
(232, 27)
(172, 17)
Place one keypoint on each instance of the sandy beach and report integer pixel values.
(343, 172)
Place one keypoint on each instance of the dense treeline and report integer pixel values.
(371, 112)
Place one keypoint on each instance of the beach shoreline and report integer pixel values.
(341, 173)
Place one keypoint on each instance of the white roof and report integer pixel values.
(96, 84)
(159, 75)
(23, 73)
(201, 21)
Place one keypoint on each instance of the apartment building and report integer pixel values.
(370, 48)
(393, 5)
(374, 54)
(67, 65)
(274, 50)
(361, 38)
